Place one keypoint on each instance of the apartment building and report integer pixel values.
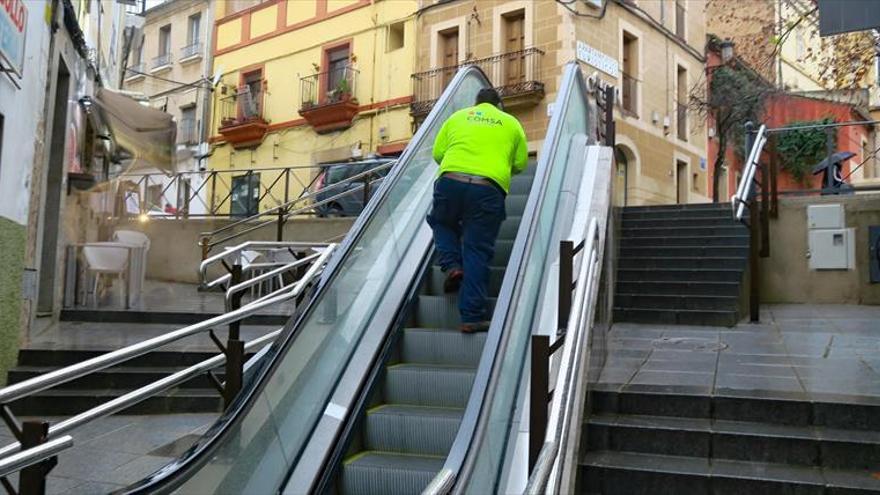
(305, 82)
(651, 51)
(169, 66)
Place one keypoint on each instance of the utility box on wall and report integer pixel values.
(831, 244)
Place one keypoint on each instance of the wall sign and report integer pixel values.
(13, 27)
(597, 59)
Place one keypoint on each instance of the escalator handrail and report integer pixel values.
(195, 457)
(473, 420)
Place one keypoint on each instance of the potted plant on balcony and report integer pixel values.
(342, 92)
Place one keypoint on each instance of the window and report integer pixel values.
(514, 44)
(396, 38)
(680, 19)
(629, 97)
(337, 65)
(187, 128)
(681, 103)
(245, 196)
(165, 39)
(194, 29)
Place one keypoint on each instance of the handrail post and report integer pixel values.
(206, 247)
(566, 267)
(32, 479)
(539, 382)
(610, 126)
(774, 192)
(279, 230)
(367, 188)
(754, 263)
(765, 210)
(213, 193)
(234, 346)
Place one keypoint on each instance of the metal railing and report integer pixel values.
(511, 74)
(237, 255)
(135, 70)
(34, 433)
(360, 184)
(629, 94)
(574, 318)
(191, 50)
(744, 190)
(188, 131)
(328, 88)
(681, 121)
(242, 107)
(161, 60)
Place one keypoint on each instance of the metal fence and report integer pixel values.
(191, 50)
(326, 88)
(162, 60)
(630, 94)
(512, 74)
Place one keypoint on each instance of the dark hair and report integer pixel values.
(489, 95)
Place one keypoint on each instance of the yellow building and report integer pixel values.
(306, 82)
(652, 51)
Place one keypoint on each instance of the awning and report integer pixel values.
(144, 136)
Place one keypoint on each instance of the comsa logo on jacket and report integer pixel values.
(477, 117)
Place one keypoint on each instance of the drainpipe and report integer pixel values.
(205, 131)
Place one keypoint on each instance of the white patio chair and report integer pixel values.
(107, 259)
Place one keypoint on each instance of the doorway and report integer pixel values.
(681, 175)
(621, 176)
(448, 54)
(51, 228)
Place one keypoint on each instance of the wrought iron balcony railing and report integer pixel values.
(162, 60)
(243, 106)
(630, 95)
(191, 50)
(514, 74)
(326, 88)
(136, 70)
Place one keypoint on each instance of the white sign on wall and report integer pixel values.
(13, 26)
(597, 59)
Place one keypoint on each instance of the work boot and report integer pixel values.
(453, 280)
(474, 327)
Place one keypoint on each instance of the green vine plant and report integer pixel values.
(800, 150)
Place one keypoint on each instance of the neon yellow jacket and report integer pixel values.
(482, 140)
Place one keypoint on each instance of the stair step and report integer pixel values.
(680, 221)
(57, 358)
(735, 440)
(678, 288)
(673, 302)
(113, 378)
(676, 214)
(411, 429)
(446, 346)
(437, 277)
(428, 385)
(677, 316)
(686, 252)
(690, 207)
(369, 473)
(60, 402)
(611, 473)
(679, 274)
(683, 231)
(711, 263)
(442, 311)
(628, 241)
(777, 411)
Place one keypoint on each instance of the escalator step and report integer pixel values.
(521, 184)
(428, 385)
(503, 247)
(437, 277)
(369, 473)
(509, 227)
(442, 346)
(411, 429)
(442, 311)
(515, 204)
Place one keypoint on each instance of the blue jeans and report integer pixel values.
(465, 219)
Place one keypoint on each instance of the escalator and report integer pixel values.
(372, 389)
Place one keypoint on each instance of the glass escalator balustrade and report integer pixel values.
(415, 410)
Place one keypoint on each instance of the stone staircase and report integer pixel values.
(680, 264)
(654, 443)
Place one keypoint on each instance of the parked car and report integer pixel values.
(328, 186)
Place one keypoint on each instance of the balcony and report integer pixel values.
(681, 121)
(188, 131)
(191, 52)
(241, 118)
(328, 99)
(135, 71)
(629, 95)
(161, 62)
(515, 75)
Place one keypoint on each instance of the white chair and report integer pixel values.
(107, 258)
